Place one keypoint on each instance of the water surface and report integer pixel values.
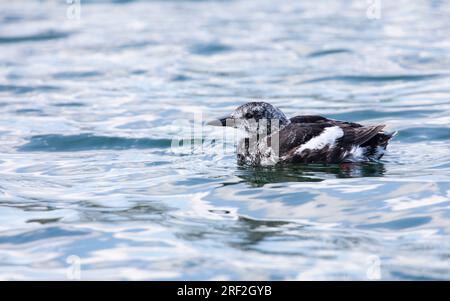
(89, 108)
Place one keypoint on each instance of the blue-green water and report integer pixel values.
(89, 107)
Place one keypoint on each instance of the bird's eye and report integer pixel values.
(248, 116)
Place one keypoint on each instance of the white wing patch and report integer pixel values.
(327, 137)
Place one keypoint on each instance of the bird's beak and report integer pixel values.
(224, 121)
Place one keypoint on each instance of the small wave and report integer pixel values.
(44, 221)
(27, 89)
(209, 48)
(75, 74)
(399, 224)
(69, 104)
(32, 112)
(328, 52)
(372, 114)
(180, 78)
(40, 234)
(42, 36)
(85, 142)
(373, 78)
(11, 19)
(135, 45)
(424, 134)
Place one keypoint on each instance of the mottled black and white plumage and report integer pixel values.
(302, 139)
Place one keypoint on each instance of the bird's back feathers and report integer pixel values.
(316, 139)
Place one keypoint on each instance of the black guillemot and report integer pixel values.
(272, 138)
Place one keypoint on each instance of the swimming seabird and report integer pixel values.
(272, 138)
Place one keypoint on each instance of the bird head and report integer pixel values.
(250, 116)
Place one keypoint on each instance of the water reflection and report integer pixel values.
(259, 176)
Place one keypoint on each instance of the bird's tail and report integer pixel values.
(376, 146)
(386, 137)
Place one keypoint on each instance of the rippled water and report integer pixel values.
(89, 107)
